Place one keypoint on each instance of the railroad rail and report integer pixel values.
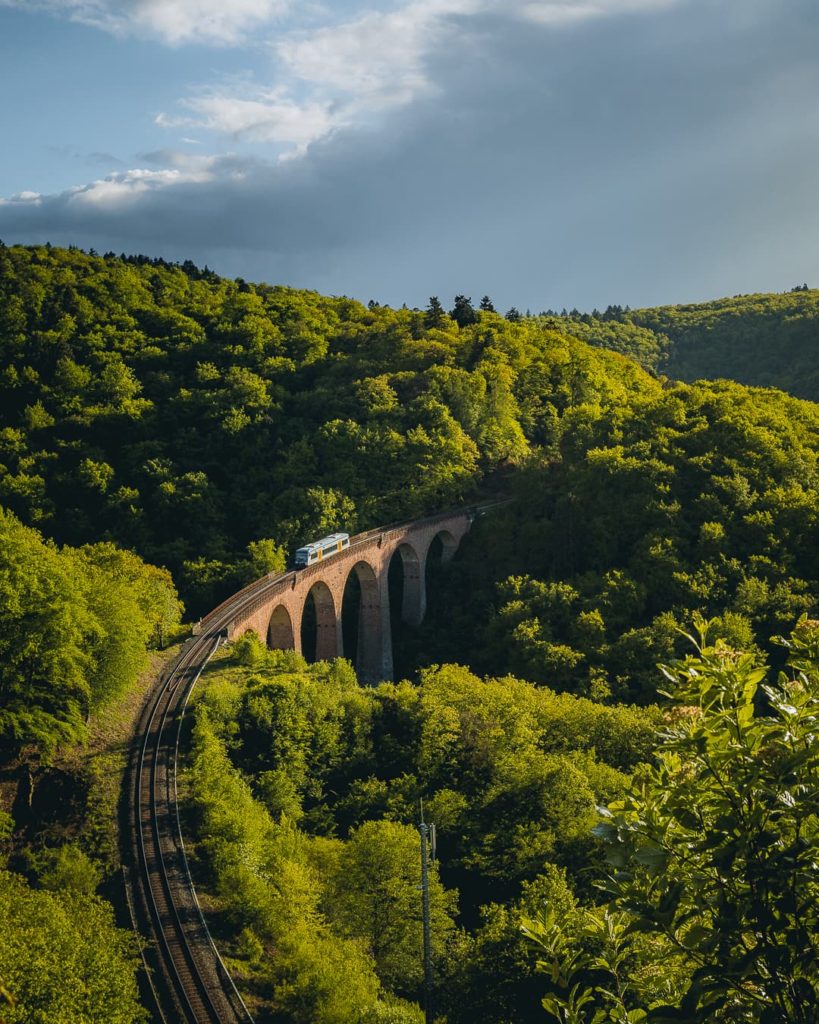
(186, 979)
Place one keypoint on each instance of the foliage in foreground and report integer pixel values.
(306, 788)
(712, 908)
(62, 960)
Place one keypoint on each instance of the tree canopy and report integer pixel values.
(305, 789)
(710, 912)
(62, 960)
(764, 340)
(157, 415)
(76, 626)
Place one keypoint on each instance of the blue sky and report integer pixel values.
(546, 152)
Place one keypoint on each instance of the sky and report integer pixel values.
(547, 153)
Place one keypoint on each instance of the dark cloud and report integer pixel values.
(648, 158)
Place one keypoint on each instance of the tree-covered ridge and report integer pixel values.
(305, 787)
(185, 416)
(703, 498)
(212, 425)
(768, 340)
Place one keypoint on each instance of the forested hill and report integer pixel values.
(765, 340)
(209, 424)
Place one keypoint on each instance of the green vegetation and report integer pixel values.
(158, 415)
(764, 340)
(62, 960)
(711, 910)
(186, 416)
(633, 517)
(76, 626)
(304, 789)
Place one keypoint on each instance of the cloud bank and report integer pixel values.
(549, 154)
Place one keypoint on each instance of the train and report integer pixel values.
(321, 549)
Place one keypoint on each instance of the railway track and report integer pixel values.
(187, 981)
(185, 978)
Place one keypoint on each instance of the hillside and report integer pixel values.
(162, 427)
(188, 416)
(766, 340)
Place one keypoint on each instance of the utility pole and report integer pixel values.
(427, 833)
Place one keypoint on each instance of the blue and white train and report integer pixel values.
(321, 549)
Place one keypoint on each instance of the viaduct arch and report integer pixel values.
(277, 612)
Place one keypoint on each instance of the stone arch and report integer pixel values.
(449, 544)
(328, 635)
(370, 646)
(414, 596)
(280, 635)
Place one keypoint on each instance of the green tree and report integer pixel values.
(264, 557)
(713, 851)
(62, 960)
(463, 312)
(76, 625)
(68, 867)
(435, 316)
(376, 898)
(45, 692)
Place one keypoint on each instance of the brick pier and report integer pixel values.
(277, 615)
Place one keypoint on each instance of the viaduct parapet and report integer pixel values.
(275, 606)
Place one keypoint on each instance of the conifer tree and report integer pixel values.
(463, 313)
(434, 315)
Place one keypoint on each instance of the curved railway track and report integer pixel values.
(186, 979)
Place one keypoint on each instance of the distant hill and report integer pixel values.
(766, 340)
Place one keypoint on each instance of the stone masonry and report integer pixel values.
(277, 614)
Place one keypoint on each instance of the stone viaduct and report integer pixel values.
(277, 610)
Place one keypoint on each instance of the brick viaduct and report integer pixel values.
(276, 614)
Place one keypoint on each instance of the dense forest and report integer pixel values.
(763, 340)
(167, 435)
(304, 787)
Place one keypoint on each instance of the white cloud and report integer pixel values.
(353, 72)
(378, 55)
(368, 52)
(332, 77)
(328, 77)
(117, 190)
(221, 22)
(267, 116)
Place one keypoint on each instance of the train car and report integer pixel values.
(321, 549)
